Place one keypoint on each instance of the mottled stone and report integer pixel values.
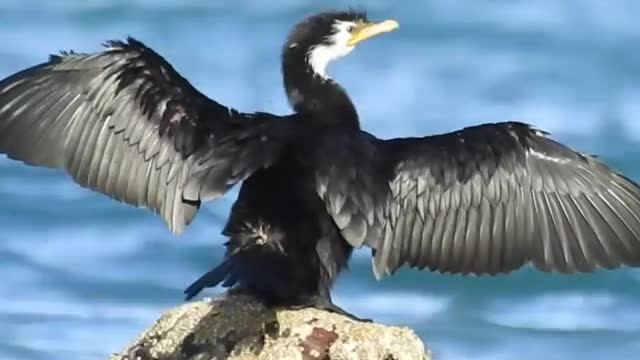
(237, 327)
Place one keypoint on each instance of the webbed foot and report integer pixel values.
(327, 305)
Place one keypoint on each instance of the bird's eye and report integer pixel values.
(351, 28)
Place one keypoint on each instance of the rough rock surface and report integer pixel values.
(237, 327)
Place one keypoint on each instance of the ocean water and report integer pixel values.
(82, 274)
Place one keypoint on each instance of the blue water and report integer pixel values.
(82, 274)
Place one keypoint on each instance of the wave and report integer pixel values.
(397, 307)
(570, 311)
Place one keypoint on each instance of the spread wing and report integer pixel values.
(486, 199)
(123, 122)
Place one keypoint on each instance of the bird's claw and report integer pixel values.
(330, 307)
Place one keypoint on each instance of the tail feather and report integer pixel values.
(210, 279)
(231, 280)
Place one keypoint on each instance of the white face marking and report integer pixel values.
(321, 55)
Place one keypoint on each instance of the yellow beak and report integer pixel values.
(368, 30)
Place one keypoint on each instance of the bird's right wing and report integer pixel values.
(123, 122)
(485, 199)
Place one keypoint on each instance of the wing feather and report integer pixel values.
(581, 235)
(598, 251)
(484, 239)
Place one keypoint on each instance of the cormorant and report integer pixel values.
(486, 199)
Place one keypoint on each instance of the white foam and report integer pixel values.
(50, 304)
(396, 307)
(97, 254)
(456, 352)
(570, 311)
(507, 348)
(77, 246)
(68, 325)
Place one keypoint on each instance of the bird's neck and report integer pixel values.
(310, 91)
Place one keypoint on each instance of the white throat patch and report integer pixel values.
(321, 55)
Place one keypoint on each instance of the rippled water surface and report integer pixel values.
(82, 274)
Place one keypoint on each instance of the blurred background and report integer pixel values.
(82, 274)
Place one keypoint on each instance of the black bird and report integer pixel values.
(482, 200)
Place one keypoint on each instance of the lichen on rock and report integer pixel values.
(238, 327)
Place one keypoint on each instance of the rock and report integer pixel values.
(237, 327)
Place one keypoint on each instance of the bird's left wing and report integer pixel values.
(486, 199)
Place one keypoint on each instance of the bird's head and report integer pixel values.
(324, 37)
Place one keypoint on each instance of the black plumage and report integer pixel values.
(484, 200)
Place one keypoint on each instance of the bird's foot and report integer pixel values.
(323, 304)
(331, 307)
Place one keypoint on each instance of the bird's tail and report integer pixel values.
(210, 279)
